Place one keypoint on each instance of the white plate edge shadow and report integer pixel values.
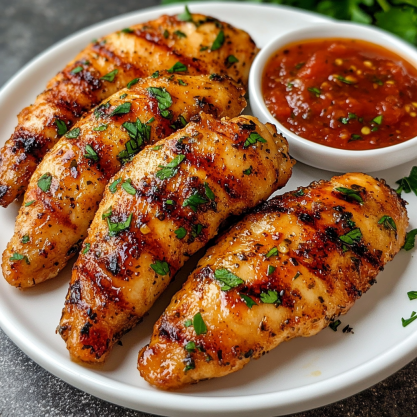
(289, 401)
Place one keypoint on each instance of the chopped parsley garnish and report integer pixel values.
(121, 109)
(351, 116)
(270, 297)
(99, 111)
(353, 236)
(348, 192)
(190, 346)
(300, 65)
(290, 86)
(209, 193)
(100, 128)
(314, 90)
(61, 127)
(204, 48)
(188, 323)
(18, 257)
(181, 82)
(127, 30)
(354, 137)
(199, 325)
(113, 185)
(408, 184)
(90, 153)
(248, 300)
(270, 270)
(73, 134)
(151, 120)
(25, 239)
(388, 222)
(139, 133)
(191, 365)
(157, 147)
(155, 74)
(412, 295)
(185, 16)
(110, 76)
(169, 170)
(272, 252)
(180, 34)
(29, 203)
(178, 67)
(343, 79)
(123, 96)
(107, 213)
(115, 228)
(130, 84)
(378, 119)
(180, 233)
(229, 279)
(253, 138)
(410, 239)
(76, 70)
(248, 171)
(299, 193)
(127, 186)
(230, 60)
(296, 275)
(410, 320)
(164, 100)
(334, 325)
(196, 230)
(166, 34)
(193, 201)
(45, 181)
(160, 267)
(218, 42)
(170, 202)
(86, 248)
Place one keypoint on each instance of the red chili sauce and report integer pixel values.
(343, 93)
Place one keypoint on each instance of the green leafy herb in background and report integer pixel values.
(396, 16)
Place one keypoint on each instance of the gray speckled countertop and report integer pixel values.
(27, 27)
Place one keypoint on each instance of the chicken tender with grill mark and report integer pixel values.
(67, 187)
(168, 204)
(286, 270)
(108, 65)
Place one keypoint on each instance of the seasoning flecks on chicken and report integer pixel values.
(287, 270)
(169, 202)
(67, 186)
(108, 65)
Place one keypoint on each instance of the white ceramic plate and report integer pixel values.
(299, 375)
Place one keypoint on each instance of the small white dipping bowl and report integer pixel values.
(321, 156)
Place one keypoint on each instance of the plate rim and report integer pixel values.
(296, 399)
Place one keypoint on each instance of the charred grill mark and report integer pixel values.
(168, 331)
(74, 293)
(30, 144)
(75, 248)
(3, 190)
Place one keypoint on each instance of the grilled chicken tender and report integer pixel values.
(168, 204)
(67, 187)
(108, 65)
(287, 270)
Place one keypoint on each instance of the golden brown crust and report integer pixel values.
(316, 275)
(149, 47)
(115, 280)
(50, 231)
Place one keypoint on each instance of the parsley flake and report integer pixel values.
(166, 34)
(29, 203)
(121, 109)
(248, 171)
(100, 128)
(270, 270)
(61, 127)
(180, 233)
(209, 193)
(45, 181)
(253, 138)
(344, 80)
(388, 222)
(193, 201)
(180, 34)
(18, 257)
(378, 119)
(190, 346)
(230, 60)
(410, 239)
(178, 67)
(113, 185)
(115, 228)
(314, 90)
(169, 170)
(334, 325)
(25, 239)
(163, 98)
(188, 323)
(405, 323)
(87, 247)
(130, 84)
(248, 300)
(229, 279)
(181, 82)
(160, 267)
(218, 42)
(185, 16)
(351, 237)
(412, 295)
(270, 297)
(272, 252)
(107, 213)
(90, 153)
(76, 70)
(408, 184)
(127, 186)
(350, 193)
(73, 134)
(351, 116)
(199, 325)
(127, 30)
(196, 230)
(110, 76)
